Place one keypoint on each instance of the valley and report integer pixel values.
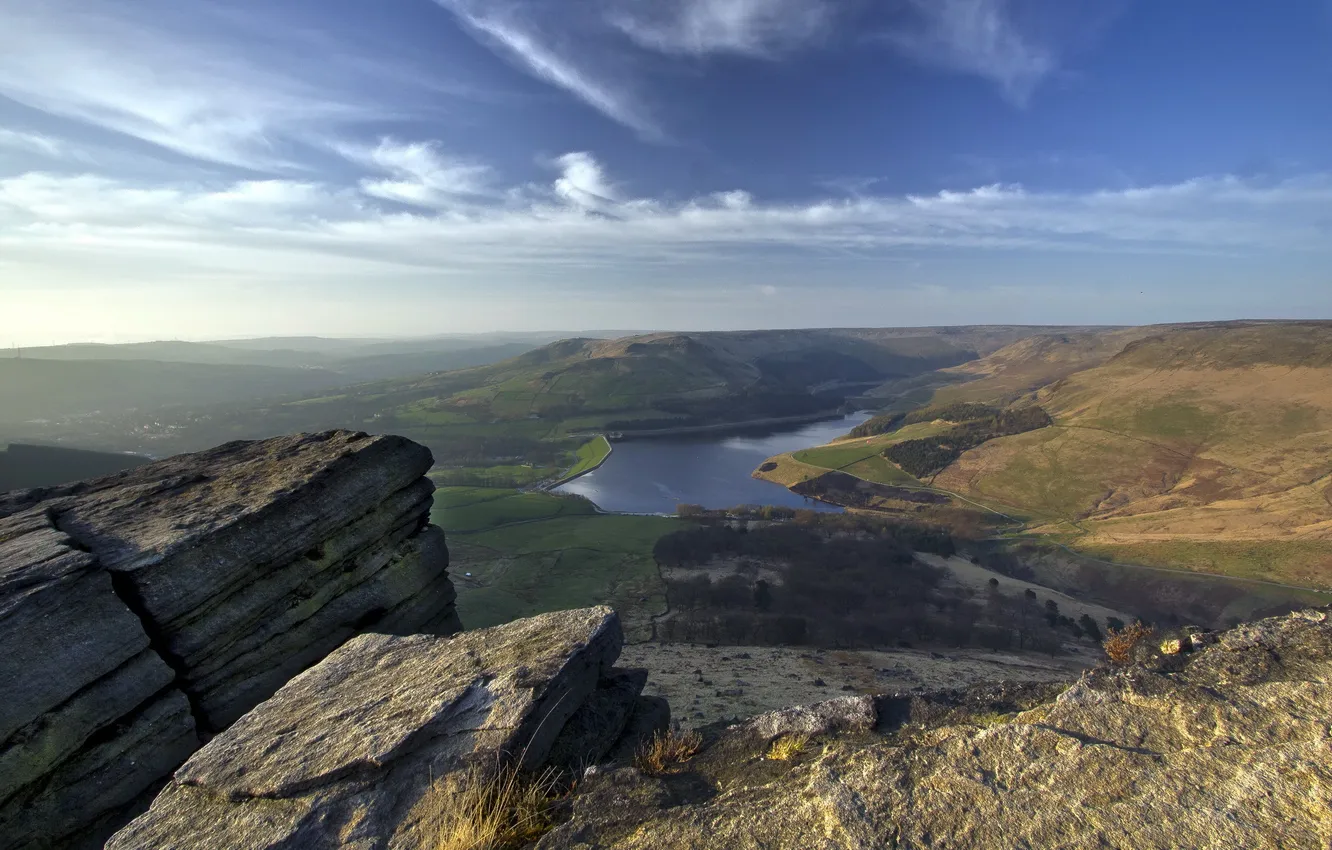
(1196, 447)
(1065, 461)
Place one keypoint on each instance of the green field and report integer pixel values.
(862, 457)
(590, 456)
(529, 553)
(1303, 562)
(471, 509)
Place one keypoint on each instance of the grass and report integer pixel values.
(556, 559)
(488, 809)
(666, 750)
(478, 509)
(787, 747)
(590, 455)
(1306, 563)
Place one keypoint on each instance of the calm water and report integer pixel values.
(653, 476)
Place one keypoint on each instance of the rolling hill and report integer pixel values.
(352, 360)
(1205, 447)
(33, 389)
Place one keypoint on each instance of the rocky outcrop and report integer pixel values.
(1225, 745)
(1229, 746)
(143, 612)
(347, 753)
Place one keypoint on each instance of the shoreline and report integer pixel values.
(560, 482)
(722, 427)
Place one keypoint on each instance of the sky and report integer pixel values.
(226, 168)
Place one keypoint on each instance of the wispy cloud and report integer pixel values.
(31, 143)
(581, 218)
(421, 174)
(749, 27)
(977, 37)
(515, 30)
(123, 74)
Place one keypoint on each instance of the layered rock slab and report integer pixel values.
(345, 753)
(1228, 747)
(142, 610)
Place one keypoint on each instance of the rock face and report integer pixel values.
(142, 612)
(1225, 747)
(345, 754)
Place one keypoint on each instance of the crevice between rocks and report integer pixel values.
(125, 590)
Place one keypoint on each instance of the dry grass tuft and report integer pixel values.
(493, 809)
(787, 747)
(667, 749)
(1120, 644)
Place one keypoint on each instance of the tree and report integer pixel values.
(1089, 627)
(1115, 624)
(762, 595)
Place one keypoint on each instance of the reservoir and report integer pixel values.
(712, 470)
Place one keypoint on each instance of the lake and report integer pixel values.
(712, 470)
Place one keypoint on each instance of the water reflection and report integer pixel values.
(653, 476)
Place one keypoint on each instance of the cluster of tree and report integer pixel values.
(805, 537)
(928, 455)
(846, 581)
(958, 412)
(686, 510)
(843, 489)
(884, 423)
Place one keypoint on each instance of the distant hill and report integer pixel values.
(24, 466)
(46, 389)
(1207, 446)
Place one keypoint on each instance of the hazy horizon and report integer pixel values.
(226, 170)
(575, 332)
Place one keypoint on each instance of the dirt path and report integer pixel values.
(975, 576)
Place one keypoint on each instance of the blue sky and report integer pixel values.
(227, 168)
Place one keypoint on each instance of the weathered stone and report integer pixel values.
(845, 714)
(142, 609)
(105, 776)
(342, 754)
(598, 724)
(61, 624)
(1228, 747)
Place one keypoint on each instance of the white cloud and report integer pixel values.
(512, 28)
(977, 37)
(116, 69)
(583, 183)
(549, 229)
(747, 27)
(31, 143)
(421, 174)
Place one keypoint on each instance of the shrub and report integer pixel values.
(787, 747)
(489, 809)
(882, 424)
(1120, 644)
(667, 749)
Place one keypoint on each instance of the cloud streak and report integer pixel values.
(582, 219)
(976, 37)
(513, 30)
(758, 28)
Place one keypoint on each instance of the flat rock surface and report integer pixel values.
(1227, 747)
(347, 749)
(705, 684)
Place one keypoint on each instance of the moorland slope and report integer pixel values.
(1204, 447)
